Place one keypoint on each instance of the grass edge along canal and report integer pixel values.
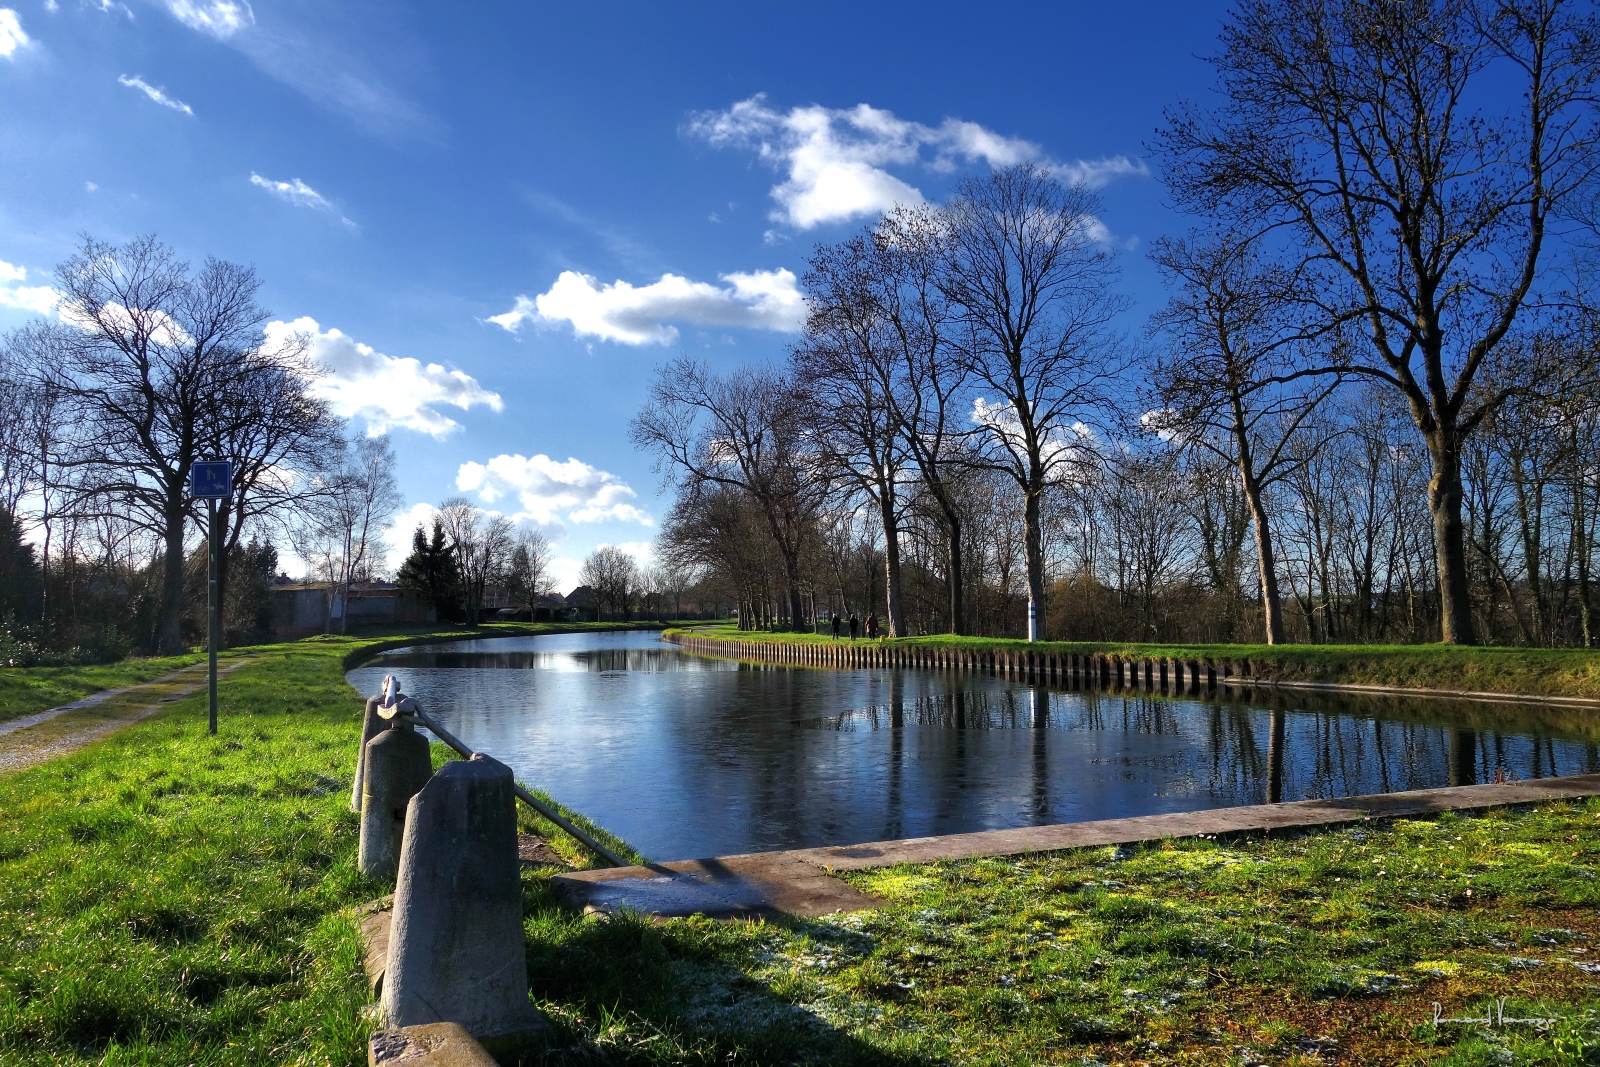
(1536, 672)
(166, 897)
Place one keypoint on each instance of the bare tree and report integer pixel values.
(281, 440)
(1228, 378)
(1360, 128)
(718, 530)
(848, 368)
(612, 574)
(340, 529)
(1033, 286)
(528, 577)
(141, 350)
(932, 377)
(742, 431)
(482, 544)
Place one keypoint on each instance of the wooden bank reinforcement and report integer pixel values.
(1098, 670)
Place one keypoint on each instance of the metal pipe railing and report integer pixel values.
(408, 708)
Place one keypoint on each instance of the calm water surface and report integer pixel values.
(685, 756)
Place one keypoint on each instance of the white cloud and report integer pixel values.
(397, 535)
(835, 160)
(40, 299)
(1098, 172)
(299, 194)
(564, 573)
(1060, 452)
(160, 327)
(11, 273)
(641, 551)
(89, 187)
(545, 488)
(220, 18)
(763, 299)
(155, 93)
(383, 391)
(11, 35)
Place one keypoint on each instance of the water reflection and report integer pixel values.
(686, 756)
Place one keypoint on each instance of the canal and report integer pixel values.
(686, 756)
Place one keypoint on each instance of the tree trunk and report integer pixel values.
(224, 550)
(1266, 566)
(1449, 539)
(169, 640)
(1583, 547)
(791, 574)
(958, 594)
(891, 563)
(1033, 533)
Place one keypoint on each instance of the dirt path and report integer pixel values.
(45, 735)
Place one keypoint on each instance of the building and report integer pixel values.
(301, 609)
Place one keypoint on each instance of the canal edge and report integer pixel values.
(1176, 675)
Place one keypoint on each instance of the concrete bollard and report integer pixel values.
(398, 765)
(456, 949)
(370, 725)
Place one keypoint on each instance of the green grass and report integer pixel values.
(167, 897)
(171, 898)
(1529, 671)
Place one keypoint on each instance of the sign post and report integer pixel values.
(211, 481)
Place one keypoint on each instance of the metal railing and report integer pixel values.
(395, 704)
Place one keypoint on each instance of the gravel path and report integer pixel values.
(33, 739)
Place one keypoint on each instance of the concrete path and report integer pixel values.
(33, 739)
(796, 882)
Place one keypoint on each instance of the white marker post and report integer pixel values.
(211, 481)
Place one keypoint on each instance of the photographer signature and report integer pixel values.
(1494, 1015)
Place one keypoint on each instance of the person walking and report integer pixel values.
(855, 626)
(836, 626)
(872, 625)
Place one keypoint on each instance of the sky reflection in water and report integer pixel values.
(685, 756)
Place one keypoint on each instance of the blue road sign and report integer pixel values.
(211, 479)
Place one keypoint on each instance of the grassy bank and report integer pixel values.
(1528, 671)
(171, 898)
(31, 689)
(26, 690)
(167, 897)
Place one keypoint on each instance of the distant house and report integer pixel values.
(583, 603)
(304, 608)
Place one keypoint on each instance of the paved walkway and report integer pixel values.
(33, 739)
(796, 882)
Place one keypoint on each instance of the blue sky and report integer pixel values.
(473, 207)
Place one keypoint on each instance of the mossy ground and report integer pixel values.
(171, 898)
(1563, 672)
(1321, 948)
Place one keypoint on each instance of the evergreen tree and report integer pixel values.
(431, 568)
(20, 580)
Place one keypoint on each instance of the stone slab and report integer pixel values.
(757, 885)
(1250, 818)
(428, 1045)
(375, 937)
(795, 882)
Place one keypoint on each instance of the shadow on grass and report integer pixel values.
(626, 990)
